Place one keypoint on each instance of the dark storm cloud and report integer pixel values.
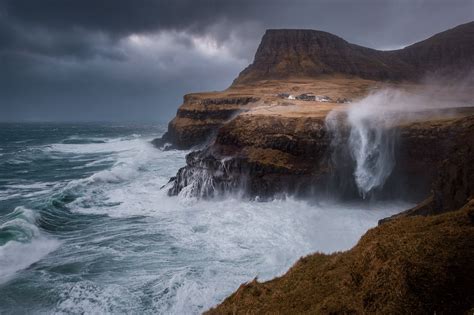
(133, 59)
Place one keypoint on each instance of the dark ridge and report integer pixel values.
(290, 53)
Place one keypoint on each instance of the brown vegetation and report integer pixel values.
(412, 265)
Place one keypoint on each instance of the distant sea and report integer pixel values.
(85, 227)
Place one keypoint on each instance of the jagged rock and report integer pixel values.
(292, 155)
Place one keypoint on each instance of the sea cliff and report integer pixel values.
(316, 116)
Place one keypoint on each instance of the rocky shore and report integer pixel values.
(293, 123)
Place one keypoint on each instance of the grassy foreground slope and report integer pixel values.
(415, 265)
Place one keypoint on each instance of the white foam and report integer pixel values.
(111, 145)
(16, 255)
(87, 297)
(233, 240)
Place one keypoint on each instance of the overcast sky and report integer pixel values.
(107, 60)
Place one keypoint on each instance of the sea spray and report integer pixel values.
(371, 144)
(363, 141)
(206, 176)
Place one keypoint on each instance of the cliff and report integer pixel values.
(266, 154)
(200, 115)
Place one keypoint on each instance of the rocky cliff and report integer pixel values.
(266, 154)
(200, 115)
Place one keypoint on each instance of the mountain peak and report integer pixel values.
(303, 53)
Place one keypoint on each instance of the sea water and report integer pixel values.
(85, 226)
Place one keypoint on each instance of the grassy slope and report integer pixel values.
(416, 265)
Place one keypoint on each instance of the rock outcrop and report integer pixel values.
(200, 115)
(453, 182)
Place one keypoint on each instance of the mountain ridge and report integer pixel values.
(304, 53)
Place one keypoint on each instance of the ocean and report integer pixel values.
(86, 228)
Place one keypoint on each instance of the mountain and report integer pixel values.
(288, 53)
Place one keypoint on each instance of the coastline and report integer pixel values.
(273, 134)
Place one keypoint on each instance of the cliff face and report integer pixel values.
(453, 182)
(200, 115)
(267, 155)
(285, 54)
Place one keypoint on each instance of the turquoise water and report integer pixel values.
(85, 227)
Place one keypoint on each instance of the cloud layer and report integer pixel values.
(133, 60)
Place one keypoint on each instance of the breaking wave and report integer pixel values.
(21, 242)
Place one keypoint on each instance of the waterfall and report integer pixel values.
(364, 134)
(371, 145)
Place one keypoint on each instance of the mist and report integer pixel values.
(367, 131)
